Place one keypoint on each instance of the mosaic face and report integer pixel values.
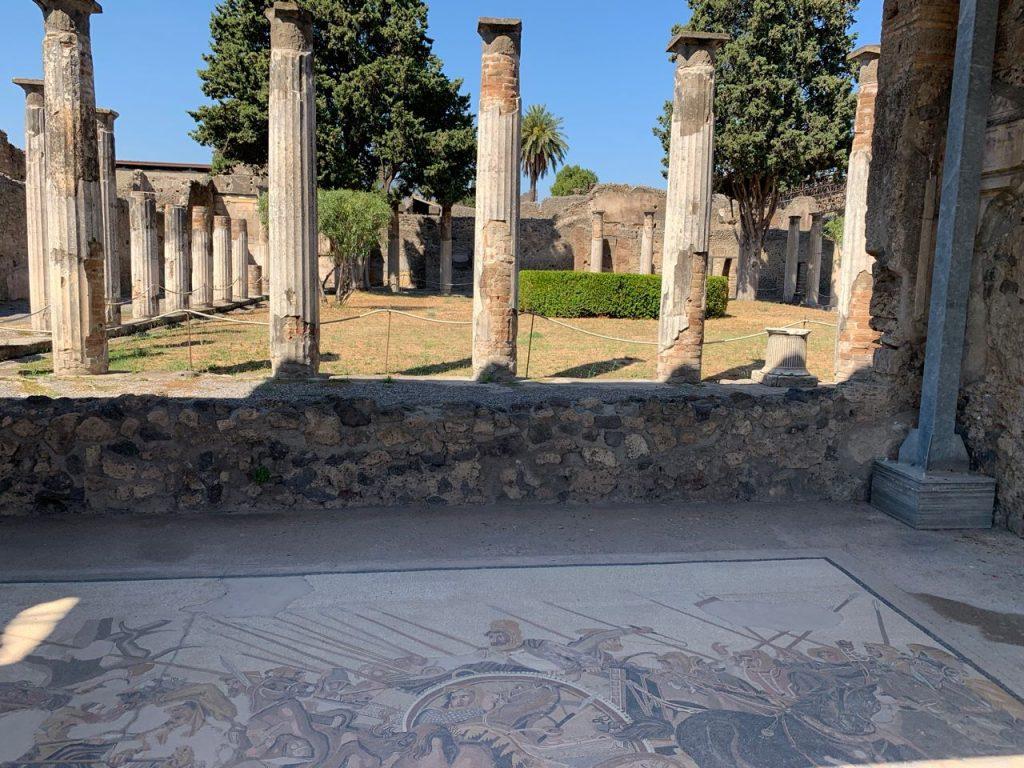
(711, 665)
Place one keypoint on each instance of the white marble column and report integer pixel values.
(647, 245)
(240, 258)
(35, 202)
(108, 197)
(792, 260)
(202, 259)
(74, 220)
(176, 257)
(223, 280)
(294, 294)
(597, 241)
(688, 207)
(144, 256)
(813, 298)
(496, 261)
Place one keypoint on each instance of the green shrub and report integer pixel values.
(573, 180)
(718, 296)
(589, 294)
(554, 293)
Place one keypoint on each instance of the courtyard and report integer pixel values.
(430, 335)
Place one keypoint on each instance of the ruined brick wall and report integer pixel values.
(915, 70)
(12, 159)
(140, 455)
(13, 240)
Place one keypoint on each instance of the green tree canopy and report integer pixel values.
(574, 180)
(381, 92)
(784, 104)
(450, 170)
(544, 146)
(351, 220)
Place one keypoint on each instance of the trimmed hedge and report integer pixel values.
(718, 296)
(589, 294)
(554, 293)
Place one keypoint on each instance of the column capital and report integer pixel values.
(291, 27)
(795, 218)
(221, 221)
(694, 48)
(597, 212)
(77, 10)
(817, 216)
(106, 118)
(866, 54)
(502, 35)
(239, 225)
(29, 85)
(199, 217)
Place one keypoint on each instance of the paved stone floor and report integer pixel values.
(745, 658)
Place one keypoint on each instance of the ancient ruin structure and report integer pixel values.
(931, 485)
(597, 241)
(688, 207)
(145, 256)
(223, 281)
(176, 257)
(294, 290)
(108, 198)
(240, 259)
(855, 340)
(74, 221)
(785, 359)
(445, 272)
(35, 202)
(792, 260)
(647, 245)
(496, 267)
(202, 259)
(813, 293)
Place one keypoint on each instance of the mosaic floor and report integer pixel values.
(780, 663)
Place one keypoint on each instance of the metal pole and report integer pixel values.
(387, 347)
(529, 346)
(188, 323)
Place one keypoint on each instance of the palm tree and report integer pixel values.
(544, 146)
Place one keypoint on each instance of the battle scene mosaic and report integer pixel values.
(757, 664)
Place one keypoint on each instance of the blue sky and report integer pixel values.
(600, 64)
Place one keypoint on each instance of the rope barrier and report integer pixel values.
(26, 317)
(592, 333)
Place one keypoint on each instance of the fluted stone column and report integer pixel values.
(688, 207)
(813, 298)
(855, 340)
(35, 202)
(496, 261)
(74, 221)
(393, 267)
(223, 287)
(792, 259)
(446, 250)
(202, 259)
(240, 259)
(108, 197)
(176, 257)
(597, 241)
(647, 245)
(785, 359)
(145, 259)
(294, 295)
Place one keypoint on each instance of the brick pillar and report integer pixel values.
(108, 200)
(855, 340)
(35, 202)
(294, 242)
(688, 208)
(597, 241)
(496, 261)
(813, 298)
(144, 256)
(792, 260)
(240, 258)
(74, 221)
(446, 250)
(647, 245)
(223, 279)
(202, 259)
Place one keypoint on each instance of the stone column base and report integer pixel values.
(798, 380)
(933, 500)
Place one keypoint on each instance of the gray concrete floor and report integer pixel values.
(965, 587)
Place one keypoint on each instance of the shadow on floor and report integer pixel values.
(738, 372)
(436, 369)
(593, 370)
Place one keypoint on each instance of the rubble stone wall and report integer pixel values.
(140, 455)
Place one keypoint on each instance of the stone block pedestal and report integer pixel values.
(933, 500)
(785, 360)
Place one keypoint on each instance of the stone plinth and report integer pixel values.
(74, 221)
(785, 359)
(647, 245)
(35, 202)
(496, 262)
(597, 241)
(144, 256)
(688, 208)
(792, 260)
(176, 257)
(202, 259)
(813, 297)
(240, 259)
(933, 500)
(294, 291)
(108, 200)
(855, 340)
(223, 279)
